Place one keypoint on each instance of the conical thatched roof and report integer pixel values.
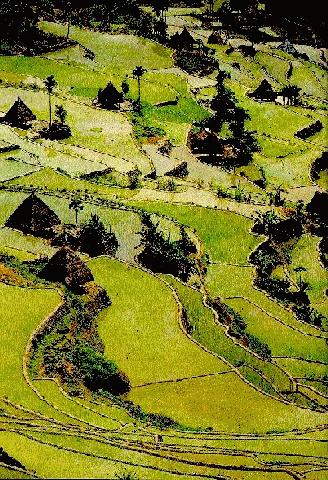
(264, 91)
(175, 40)
(68, 268)
(19, 115)
(186, 39)
(109, 97)
(288, 47)
(33, 216)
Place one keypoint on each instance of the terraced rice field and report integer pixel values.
(228, 412)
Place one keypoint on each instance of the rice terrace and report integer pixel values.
(163, 239)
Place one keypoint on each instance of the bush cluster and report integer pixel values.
(164, 255)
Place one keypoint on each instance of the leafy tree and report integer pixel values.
(266, 259)
(17, 18)
(76, 205)
(237, 119)
(96, 240)
(68, 16)
(299, 210)
(290, 71)
(291, 94)
(266, 220)
(160, 29)
(138, 73)
(226, 110)
(160, 7)
(163, 255)
(246, 143)
(275, 196)
(50, 84)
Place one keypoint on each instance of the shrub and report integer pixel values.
(261, 348)
(192, 62)
(97, 371)
(167, 184)
(310, 130)
(307, 314)
(57, 131)
(180, 171)
(95, 240)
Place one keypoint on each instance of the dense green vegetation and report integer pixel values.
(182, 240)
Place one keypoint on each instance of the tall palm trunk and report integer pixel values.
(50, 111)
(68, 29)
(139, 91)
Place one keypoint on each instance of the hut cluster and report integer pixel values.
(34, 217)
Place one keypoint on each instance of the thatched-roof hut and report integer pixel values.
(183, 40)
(175, 40)
(109, 97)
(68, 268)
(203, 142)
(33, 216)
(19, 115)
(264, 92)
(215, 38)
(187, 41)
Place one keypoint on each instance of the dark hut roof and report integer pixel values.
(185, 38)
(68, 268)
(215, 38)
(109, 97)
(204, 142)
(19, 114)
(175, 40)
(288, 47)
(33, 216)
(180, 171)
(264, 91)
(247, 50)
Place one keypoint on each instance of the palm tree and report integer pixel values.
(302, 285)
(125, 86)
(290, 71)
(61, 113)
(50, 84)
(68, 12)
(138, 73)
(77, 206)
